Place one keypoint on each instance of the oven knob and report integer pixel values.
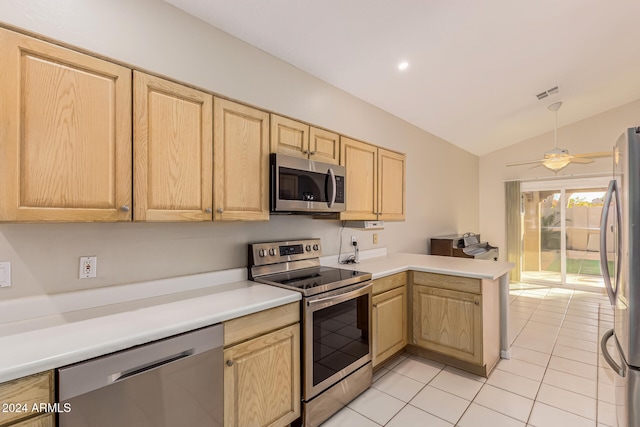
(308, 248)
(262, 252)
(272, 251)
(316, 247)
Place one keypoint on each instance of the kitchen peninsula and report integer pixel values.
(440, 288)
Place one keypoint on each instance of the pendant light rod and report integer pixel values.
(555, 107)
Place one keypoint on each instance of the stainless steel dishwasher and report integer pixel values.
(174, 382)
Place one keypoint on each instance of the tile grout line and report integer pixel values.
(535, 399)
(566, 307)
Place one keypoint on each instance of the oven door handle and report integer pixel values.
(344, 295)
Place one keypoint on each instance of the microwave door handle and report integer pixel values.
(334, 185)
(604, 262)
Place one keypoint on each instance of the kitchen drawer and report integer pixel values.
(445, 281)
(252, 325)
(41, 421)
(37, 388)
(387, 283)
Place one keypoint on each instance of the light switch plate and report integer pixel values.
(5, 274)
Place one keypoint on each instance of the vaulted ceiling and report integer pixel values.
(475, 67)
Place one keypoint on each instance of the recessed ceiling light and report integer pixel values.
(403, 65)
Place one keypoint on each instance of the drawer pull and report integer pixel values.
(229, 363)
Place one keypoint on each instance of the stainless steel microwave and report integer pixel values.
(306, 186)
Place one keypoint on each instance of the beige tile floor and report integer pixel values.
(556, 376)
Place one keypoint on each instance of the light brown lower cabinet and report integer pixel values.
(18, 397)
(389, 317)
(262, 374)
(48, 420)
(456, 321)
(448, 322)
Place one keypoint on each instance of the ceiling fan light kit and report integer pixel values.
(559, 158)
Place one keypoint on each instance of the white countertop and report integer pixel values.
(381, 266)
(38, 344)
(46, 332)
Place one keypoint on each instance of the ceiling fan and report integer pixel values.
(558, 158)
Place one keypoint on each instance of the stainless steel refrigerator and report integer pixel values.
(621, 271)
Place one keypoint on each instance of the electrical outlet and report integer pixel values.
(5, 274)
(88, 267)
(354, 241)
(375, 238)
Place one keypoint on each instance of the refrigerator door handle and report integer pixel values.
(605, 353)
(604, 262)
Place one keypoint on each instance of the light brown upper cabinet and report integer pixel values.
(172, 151)
(360, 161)
(391, 185)
(375, 181)
(240, 162)
(65, 139)
(301, 140)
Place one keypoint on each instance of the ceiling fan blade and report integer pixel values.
(536, 166)
(594, 155)
(530, 162)
(581, 160)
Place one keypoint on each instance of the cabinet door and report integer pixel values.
(173, 151)
(65, 139)
(389, 324)
(324, 146)
(240, 162)
(289, 137)
(262, 380)
(391, 185)
(359, 159)
(448, 322)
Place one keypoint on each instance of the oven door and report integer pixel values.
(337, 336)
(302, 185)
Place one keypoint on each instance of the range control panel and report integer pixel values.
(290, 250)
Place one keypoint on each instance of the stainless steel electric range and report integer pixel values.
(336, 322)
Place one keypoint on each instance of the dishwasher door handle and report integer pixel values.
(104, 371)
(149, 366)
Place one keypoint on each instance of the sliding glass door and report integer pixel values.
(560, 231)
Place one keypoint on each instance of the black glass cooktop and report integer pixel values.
(314, 280)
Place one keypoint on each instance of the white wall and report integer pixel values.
(442, 189)
(597, 133)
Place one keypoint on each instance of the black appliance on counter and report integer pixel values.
(467, 245)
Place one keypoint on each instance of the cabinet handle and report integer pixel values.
(375, 305)
(220, 210)
(229, 362)
(124, 208)
(208, 210)
(305, 152)
(476, 302)
(311, 153)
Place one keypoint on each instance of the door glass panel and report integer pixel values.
(584, 208)
(340, 337)
(561, 233)
(542, 236)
